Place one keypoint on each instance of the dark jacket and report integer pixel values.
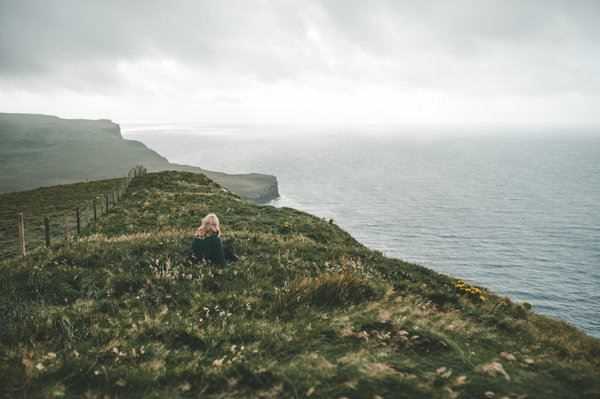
(209, 248)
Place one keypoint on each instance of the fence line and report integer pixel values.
(92, 209)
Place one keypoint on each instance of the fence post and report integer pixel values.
(47, 231)
(66, 228)
(106, 202)
(21, 233)
(95, 212)
(78, 221)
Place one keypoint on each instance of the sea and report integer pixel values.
(516, 211)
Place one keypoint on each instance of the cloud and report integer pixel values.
(240, 54)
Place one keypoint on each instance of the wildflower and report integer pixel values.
(461, 380)
(219, 362)
(185, 387)
(40, 367)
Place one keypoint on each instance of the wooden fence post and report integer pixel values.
(95, 212)
(66, 228)
(21, 234)
(78, 221)
(106, 202)
(47, 231)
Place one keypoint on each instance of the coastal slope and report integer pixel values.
(42, 150)
(306, 311)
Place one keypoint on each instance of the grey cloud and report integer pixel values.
(461, 45)
(38, 37)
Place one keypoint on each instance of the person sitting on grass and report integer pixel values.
(207, 244)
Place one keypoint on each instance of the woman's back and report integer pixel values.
(209, 248)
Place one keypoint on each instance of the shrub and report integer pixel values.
(441, 298)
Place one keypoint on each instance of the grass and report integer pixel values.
(58, 203)
(306, 312)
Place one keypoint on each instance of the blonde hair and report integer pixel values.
(210, 225)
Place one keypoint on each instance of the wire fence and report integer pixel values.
(34, 230)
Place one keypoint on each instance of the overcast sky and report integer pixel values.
(317, 62)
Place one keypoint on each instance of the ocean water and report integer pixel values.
(518, 214)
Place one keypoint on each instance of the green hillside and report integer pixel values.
(307, 311)
(43, 150)
(58, 203)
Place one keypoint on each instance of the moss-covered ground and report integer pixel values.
(305, 312)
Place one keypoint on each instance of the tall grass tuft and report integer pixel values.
(328, 289)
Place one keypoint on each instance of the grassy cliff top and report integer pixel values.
(307, 311)
(58, 203)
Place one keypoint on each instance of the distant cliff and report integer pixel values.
(42, 150)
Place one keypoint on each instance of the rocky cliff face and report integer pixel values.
(42, 150)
